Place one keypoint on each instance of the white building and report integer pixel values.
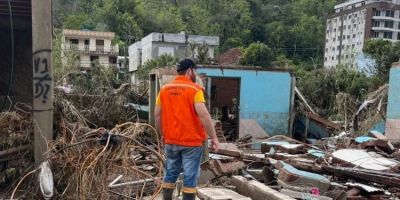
(156, 44)
(355, 22)
(91, 46)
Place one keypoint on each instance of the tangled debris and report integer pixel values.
(123, 162)
(16, 153)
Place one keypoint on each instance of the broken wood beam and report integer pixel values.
(385, 178)
(240, 155)
(219, 168)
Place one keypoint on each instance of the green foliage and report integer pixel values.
(232, 42)
(327, 83)
(257, 54)
(80, 21)
(384, 53)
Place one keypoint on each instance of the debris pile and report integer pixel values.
(102, 164)
(16, 153)
(339, 167)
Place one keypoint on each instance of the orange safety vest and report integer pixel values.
(179, 120)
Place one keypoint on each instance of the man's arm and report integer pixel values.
(205, 119)
(157, 118)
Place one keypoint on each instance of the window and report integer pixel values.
(86, 44)
(338, 48)
(112, 60)
(349, 27)
(338, 38)
(355, 15)
(94, 60)
(388, 24)
(398, 36)
(349, 17)
(73, 43)
(354, 35)
(389, 13)
(363, 3)
(376, 34)
(377, 13)
(377, 23)
(348, 37)
(99, 45)
(387, 35)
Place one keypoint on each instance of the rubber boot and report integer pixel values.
(167, 193)
(189, 196)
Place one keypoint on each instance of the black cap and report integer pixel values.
(185, 64)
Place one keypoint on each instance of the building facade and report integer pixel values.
(355, 22)
(90, 48)
(156, 44)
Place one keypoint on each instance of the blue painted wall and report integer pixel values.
(393, 108)
(264, 96)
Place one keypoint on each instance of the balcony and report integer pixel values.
(384, 17)
(97, 50)
(96, 63)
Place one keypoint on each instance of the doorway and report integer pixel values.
(224, 100)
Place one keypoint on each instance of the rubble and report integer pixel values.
(290, 176)
(219, 194)
(125, 159)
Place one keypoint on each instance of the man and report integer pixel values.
(182, 118)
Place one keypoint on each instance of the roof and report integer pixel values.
(244, 67)
(180, 38)
(172, 70)
(86, 33)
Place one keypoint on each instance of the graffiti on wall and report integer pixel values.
(41, 74)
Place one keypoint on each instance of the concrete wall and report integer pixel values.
(156, 44)
(265, 96)
(135, 56)
(393, 108)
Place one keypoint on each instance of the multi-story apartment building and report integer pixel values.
(157, 44)
(355, 22)
(91, 47)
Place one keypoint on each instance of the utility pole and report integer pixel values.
(42, 76)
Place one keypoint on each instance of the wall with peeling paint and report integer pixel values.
(393, 108)
(265, 96)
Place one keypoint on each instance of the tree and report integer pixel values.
(79, 21)
(384, 53)
(257, 54)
